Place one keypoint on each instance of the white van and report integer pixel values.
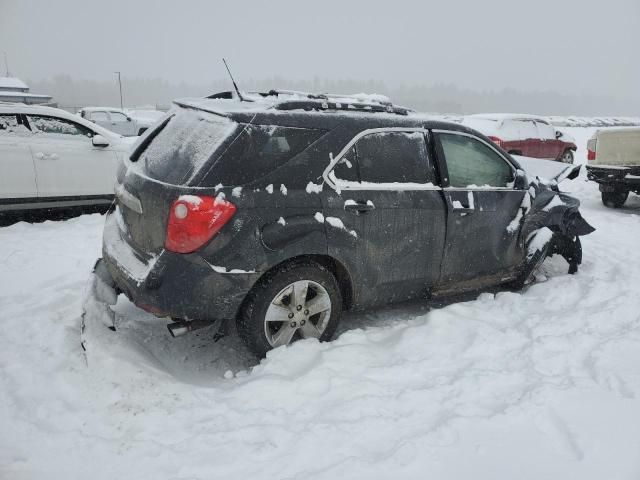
(614, 163)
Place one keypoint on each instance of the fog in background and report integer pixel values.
(542, 56)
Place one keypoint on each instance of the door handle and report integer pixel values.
(458, 207)
(359, 206)
(46, 156)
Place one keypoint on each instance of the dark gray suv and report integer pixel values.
(281, 212)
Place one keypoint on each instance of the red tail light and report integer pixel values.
(496, 140)
(591, 155)
(194, 220)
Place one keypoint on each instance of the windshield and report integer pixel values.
(183, 144)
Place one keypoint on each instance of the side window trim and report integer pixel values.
(339, 185)
(445, 171)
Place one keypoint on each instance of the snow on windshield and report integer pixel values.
(188, 140)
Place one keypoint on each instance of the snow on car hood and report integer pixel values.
(547, 171)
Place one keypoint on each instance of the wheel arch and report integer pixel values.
(337, 269)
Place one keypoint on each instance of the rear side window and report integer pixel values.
(257, 151)
(347, 168)
(392, 157)
(472, 163)
(183, 144)
(387, 157)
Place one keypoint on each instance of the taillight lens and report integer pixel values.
(194, 220)
(591, 148)
(496, 140)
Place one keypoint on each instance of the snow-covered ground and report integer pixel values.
(532, 385)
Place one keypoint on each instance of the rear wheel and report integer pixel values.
(567, 157)
(295, 302)
(614, 199)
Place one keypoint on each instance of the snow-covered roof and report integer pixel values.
(102, 109)
(12, 82)
(19, 95)
(507, 116)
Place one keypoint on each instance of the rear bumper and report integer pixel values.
(613, 178)
(172, 285)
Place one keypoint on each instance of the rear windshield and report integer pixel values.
(258, 151)
(180, 147)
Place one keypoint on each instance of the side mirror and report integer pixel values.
(558, 134)
(128, 119)
(521, 181)
(99, 141)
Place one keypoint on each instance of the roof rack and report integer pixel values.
(296, 100)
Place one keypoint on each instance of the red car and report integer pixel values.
(524, 135)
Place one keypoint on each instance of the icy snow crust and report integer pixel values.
(539, 384)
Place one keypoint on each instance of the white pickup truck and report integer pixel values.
(614, 163)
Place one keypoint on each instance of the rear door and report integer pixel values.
(17, 172)
(385, 216)
(66, 162)
(482, 245)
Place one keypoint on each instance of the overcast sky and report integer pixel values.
(567, 46)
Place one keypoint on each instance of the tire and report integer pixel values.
(566, 157)
(268, 320)
(614, 199)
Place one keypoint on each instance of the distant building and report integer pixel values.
(15, 90)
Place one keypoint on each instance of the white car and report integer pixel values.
(113, 119)
(145, 118)
(51, 158)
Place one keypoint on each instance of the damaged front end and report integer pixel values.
(553, 225)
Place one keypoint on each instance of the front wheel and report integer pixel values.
(294, 302)
(614, 199)
(567, 157)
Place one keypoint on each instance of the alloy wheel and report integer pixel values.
(302, 309)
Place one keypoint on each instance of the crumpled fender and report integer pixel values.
(556, 210)
(560, 213)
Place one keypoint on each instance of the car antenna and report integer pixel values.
(242, 99)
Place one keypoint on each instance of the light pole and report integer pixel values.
(120, 85)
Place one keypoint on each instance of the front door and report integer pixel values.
(101, 118)
(122, 124)
(484, 212)
(67, 163)
(17, 172)
(386, 217)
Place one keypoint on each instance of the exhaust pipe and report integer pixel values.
(182, 327)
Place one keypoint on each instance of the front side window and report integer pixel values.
(10, 125)
(472, 163)
(546, 131)
(57, 126)
(118, 117)
(393, 157)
